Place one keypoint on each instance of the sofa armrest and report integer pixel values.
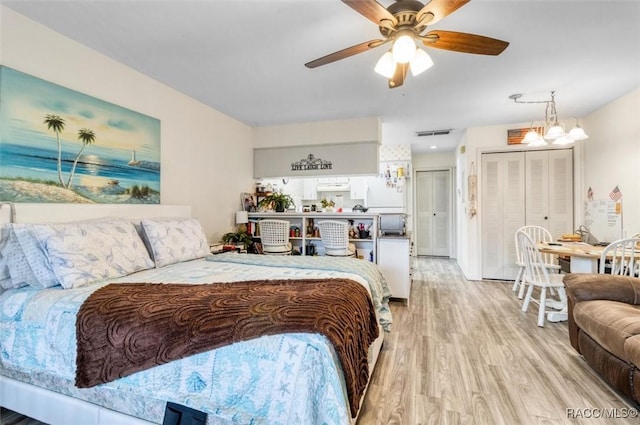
(587, 287)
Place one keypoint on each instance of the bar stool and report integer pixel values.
(274, 236)
(335, 238)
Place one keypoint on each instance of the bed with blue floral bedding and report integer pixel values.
(279, 379)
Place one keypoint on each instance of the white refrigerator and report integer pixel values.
(386, 195)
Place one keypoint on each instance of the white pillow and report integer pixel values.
(7, 245)
(173, 240)
(81, 253)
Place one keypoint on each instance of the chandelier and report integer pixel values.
(551, 129)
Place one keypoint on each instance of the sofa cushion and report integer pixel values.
(632, 350)
(609, 323)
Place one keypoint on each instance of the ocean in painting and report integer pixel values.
(19, 161)
(121, 164)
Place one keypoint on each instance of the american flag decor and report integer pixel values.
(615, 194)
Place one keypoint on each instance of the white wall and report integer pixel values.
(433, 160)
(612, 156)
(206, 155)
(317, 133)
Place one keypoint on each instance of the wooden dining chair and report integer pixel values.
(537, 234)
(621, 257)
(536, 274)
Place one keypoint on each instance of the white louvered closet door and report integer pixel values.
(549, 201)
(503, 199)
(433, 225)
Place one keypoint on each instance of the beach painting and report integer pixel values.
(61, 146)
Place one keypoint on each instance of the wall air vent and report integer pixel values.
(434, 132)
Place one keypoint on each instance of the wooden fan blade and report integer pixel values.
(372, 10)
(439, 9)
(465, 43)
(399, 75)
(345, 53)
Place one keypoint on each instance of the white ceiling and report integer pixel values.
(246, 59)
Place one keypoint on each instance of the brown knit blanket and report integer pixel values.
(125, 328)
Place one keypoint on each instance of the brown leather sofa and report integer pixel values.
(604, 326)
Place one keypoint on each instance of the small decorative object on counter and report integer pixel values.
(327, 204)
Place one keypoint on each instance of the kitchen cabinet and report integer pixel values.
(358, 188)
(309, 189)
(394, 259)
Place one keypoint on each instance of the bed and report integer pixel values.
(285, 378)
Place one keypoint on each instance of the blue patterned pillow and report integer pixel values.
(173, 240)
(81, 253)
(23, 260)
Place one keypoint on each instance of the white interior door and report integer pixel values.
(502, 211)
(433, 212)
(550, 190)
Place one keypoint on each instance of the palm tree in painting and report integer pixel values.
(55, 123)
(87, 137)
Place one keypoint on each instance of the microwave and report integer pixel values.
(392, 224)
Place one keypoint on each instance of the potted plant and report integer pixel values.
(239, 237)
(327, 204)
(277, 201)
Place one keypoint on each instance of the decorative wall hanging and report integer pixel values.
(311, 163)
(58, 145)
(473, 190)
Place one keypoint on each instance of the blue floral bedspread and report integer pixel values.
(282, 379)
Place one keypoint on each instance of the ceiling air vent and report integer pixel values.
(434, 132)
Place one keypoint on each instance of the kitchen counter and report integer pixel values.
(327, 215)
(307, 241)
(405, 236)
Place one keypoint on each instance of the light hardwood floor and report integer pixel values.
(462, 352)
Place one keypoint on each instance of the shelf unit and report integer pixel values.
(367, 248)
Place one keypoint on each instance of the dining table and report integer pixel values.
(583, 258)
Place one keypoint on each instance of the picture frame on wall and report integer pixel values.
(247, 202)
(515, 136)
(59, 145)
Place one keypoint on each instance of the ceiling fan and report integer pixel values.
(403, 23)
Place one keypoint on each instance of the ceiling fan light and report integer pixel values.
(386, 66)
(421, 62)
(577, 133)
(404, 48)
(554, 132)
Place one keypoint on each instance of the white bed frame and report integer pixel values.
(60, 213)
(58, 409)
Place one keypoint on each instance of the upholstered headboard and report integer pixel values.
(60, 213)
